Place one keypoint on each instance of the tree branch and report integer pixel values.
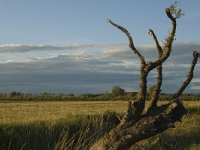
(157, 90)
(159, 48)
(131, 44)
(167, 46)
(139, 104)
(136, 108)
(145, 69)
(189, 77)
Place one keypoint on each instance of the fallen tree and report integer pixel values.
(139, 124)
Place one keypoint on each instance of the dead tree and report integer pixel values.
(137, 125)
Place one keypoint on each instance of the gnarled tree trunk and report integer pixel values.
(137, 125)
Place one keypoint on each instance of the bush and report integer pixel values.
(117, 91)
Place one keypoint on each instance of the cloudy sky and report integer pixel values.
(67, 46)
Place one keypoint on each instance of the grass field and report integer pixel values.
(26, 112)
(73, 125)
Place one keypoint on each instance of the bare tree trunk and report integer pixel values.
(137, 125)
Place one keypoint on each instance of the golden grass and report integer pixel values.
(26, 112)
(13, 114)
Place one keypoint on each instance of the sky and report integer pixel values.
(67, 46)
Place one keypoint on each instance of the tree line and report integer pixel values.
(117, 94)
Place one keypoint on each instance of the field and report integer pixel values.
(26, 112)
(74, 125)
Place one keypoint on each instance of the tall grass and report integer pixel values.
(77, 130)
(75, 133)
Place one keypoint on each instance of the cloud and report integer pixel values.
(89, 67)
(22, 48)
(195, 87)
(197, 80)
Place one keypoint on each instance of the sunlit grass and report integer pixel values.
(61, 125)
(25, 112)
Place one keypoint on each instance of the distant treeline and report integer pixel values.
(18, 96)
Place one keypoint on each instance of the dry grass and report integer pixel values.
(26, 112)
(40, 125)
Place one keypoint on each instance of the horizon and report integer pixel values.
(67, 46)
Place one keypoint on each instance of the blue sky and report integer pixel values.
(72, 21)
(67, 46)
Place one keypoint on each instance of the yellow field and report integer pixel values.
(40, 124)
(25, 112)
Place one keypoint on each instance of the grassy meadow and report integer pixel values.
(75, 125)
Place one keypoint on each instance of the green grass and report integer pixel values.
(74, 125)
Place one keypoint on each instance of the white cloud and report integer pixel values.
(195, 87)
(196, 80)
(114, 60)
(22, 48)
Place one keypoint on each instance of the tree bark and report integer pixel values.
(126, 135)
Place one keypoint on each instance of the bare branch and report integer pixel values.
(145, 69)
(189, 77)
(163, 55)
(135, 108)
(131, 44)
(168, 44)
(157, 90)
(159, 48)
(169, 14)
(139, 104)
